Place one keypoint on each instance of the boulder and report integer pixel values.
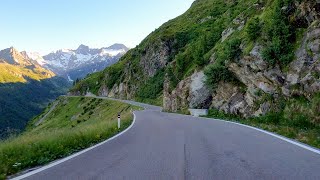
(199, 93)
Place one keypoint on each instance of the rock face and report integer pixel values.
(189, 93)
(118, 91)
(199, 93)
(303, 75)
(259, 80)
(155, 58)
(302, 78)
(226, 33)
(178, 98)
(229, 99)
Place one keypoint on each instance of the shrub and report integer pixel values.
(153, 87)
(270, 118)
(199, 51)
(280, 35)
(180, 64)
(229, 51)
(215, 113)
(253, 29)
(172, 78)
(216, 73)
(233, 49)
(301, 121)
(315, 106)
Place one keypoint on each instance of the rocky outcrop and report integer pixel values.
(199, 93)
(118, 91)
(226, 33)
(155, 58)
(189, 93)
(303, 75)
(301, 78)
(178, 98)
(309, 11)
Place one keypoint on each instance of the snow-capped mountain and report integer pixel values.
(73, 64)
(35, 56)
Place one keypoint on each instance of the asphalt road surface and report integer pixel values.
(170, 146)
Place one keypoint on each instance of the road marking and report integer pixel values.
(304, 146)
(74, 155)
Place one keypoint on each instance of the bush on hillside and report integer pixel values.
(253, 28)
(216, 73)
(280, 35)
(153, 87)
(232, 49)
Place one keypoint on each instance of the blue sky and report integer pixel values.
(47, 25)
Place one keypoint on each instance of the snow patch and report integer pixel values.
(69, 79)
(112, 52)
(37, 57)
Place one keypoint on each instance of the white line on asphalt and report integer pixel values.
(304, 146)
(74, 155)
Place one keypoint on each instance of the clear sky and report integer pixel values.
(48, 25)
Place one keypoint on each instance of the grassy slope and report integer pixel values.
(76, 123)
(13, 74)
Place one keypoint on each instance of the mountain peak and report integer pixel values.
(83, 49)
(118, 46)
(11, 56)
(13, 50)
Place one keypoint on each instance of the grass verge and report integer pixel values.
(75, 124)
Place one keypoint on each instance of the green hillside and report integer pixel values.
(186, 40)
(73, 124)
(15, 74)
(199, 39)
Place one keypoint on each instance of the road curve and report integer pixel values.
(171, 146)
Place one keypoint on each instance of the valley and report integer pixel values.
(29, 82)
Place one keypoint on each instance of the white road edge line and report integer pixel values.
(304, 146)
(76, 154)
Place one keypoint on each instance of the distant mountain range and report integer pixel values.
(17, 67)
(73, 64)
(25, 89)
(29, 81)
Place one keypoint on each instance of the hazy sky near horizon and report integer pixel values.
(48, 25)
